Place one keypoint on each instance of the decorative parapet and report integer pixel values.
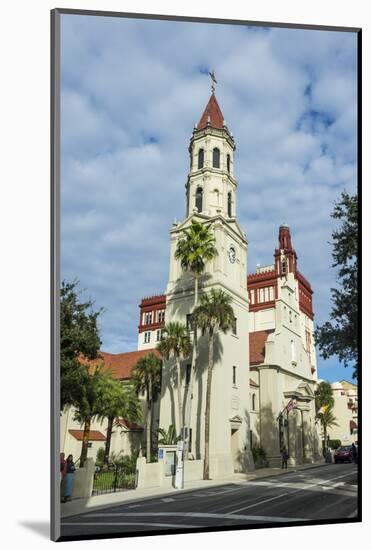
(153, 300)
(264, 268)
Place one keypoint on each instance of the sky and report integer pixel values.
(131, 93)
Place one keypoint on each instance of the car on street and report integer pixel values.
(343, 454)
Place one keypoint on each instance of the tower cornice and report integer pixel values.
(209, 171)
(210, 131)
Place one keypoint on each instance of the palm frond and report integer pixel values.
(215, 311)
(196, 248)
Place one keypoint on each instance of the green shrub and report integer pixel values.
(260, 457)
(334, 443)
(100, 457)
(129, 463)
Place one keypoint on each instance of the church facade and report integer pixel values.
(265, 371)
(263, 397)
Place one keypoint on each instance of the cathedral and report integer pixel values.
(265, 372)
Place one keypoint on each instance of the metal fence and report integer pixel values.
(112, 480)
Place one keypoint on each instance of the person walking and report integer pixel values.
(354, 454)
(284, 457)
(63, 470)
(68, 479)
(63, 466)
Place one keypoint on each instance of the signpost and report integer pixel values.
(179, 472)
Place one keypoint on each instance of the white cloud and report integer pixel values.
(131, 94)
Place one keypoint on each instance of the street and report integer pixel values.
(319, 493)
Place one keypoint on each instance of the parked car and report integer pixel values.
(343, 454)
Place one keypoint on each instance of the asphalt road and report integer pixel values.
(321, 493)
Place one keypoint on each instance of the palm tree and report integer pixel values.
(122, 401)
(214, 313)
(175, 343)
(194, 250)
(327, 420)
(323, 395)
(168, 437)
(146, 376)
(92, 397)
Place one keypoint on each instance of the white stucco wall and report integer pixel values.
(122, 440)
(343, 393)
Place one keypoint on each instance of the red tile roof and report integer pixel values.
(121, 364)
(128, 425)
(257, 346)
(94, 435)
(216, 116)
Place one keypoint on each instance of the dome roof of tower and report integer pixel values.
(212, 115)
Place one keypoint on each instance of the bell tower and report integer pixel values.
(211, 186)
(211, 200)
(285, 255)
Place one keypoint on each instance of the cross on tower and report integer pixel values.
(213, 81)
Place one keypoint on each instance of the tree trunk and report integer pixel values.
(180, 404)
(188, 412)
(149, 423)
(325, 437)
(85, 441)
(207, 407)
(108, 440)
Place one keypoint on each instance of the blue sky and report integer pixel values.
(132, 91)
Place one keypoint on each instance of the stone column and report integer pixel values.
(299, 437)
(307, 437)
(269, 434)
(292, 437)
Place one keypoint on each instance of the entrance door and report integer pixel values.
(234, 450)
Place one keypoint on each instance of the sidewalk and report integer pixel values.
(80, 506)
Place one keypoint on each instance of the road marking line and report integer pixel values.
(318, 482)
(202, 515)
(257, 503)
(341, 483)
(167, 500)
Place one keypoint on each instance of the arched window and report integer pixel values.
(216, 158)
(229, 205)
(216, 195)
(201, 155)
(229, 163)
(253, 402)
(199, 194)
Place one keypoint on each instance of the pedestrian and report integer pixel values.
(63, 465)
(354, 454)
(284, 457)
(68, 479)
